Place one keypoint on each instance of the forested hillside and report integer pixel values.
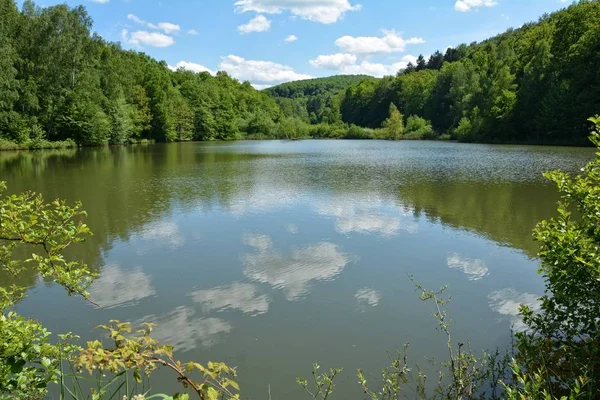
(535, 84)
(314, 100)
(59, 82)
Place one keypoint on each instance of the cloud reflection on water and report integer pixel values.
(292, 228)
(507, 302)
(182, 329)
(160, 234)
(365, 216)
(368, 297)
(475, 269)
(118, 287)
(244, 297)
(292, 273)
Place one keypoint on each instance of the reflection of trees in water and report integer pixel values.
(505, 212)
(126, 190)
(130, 190)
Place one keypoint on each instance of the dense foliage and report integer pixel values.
(535, 84)
(314, 100)
(62, 86)
(558, 355)
(563, 343)
(58, 82)
(557, 358)
(31, 360)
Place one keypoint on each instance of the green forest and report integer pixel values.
(62, 85)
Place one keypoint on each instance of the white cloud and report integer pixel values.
(153, 39)
(391, 42)
(138, 20)
(257, 24)
(190, 66)
(135, 18)
(294, 273)
(168, 27)
(334, 61)
(259, 86)
(100, 1)
(356, 49)
(368, 296)
(117, 287)
(377, 70)
(291, 38)
(342, 62)
(192, 32)
(259, 72)
(508, 301)
(473, 268)
(467, 5)
(323, 11)
(244, 297)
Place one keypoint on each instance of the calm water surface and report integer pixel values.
(273, 255)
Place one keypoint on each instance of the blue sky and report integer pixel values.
(247, 38)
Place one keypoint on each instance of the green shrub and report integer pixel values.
(358, 133)
(29, 362)
(563, 341)
(464, 131)
(394, 124)
(37, 144)
(417, 127)
(328, 131)
(8, 145)
(413, 136)
(292, 128)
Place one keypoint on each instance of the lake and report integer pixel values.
(272, 255)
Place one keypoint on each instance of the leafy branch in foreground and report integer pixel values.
(561, 349)
(462, 376)
(394, 377)
(29, 362)
(323, 383)
(25, 219)
(141, 353)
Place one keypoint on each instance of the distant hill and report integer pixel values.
(316, 86)
(314, 100)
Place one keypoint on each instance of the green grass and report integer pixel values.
(6, 145)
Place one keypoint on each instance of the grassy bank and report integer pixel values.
(6, 145)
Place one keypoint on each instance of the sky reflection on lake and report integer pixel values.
(274, 255)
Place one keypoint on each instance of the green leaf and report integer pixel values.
(137, 376)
